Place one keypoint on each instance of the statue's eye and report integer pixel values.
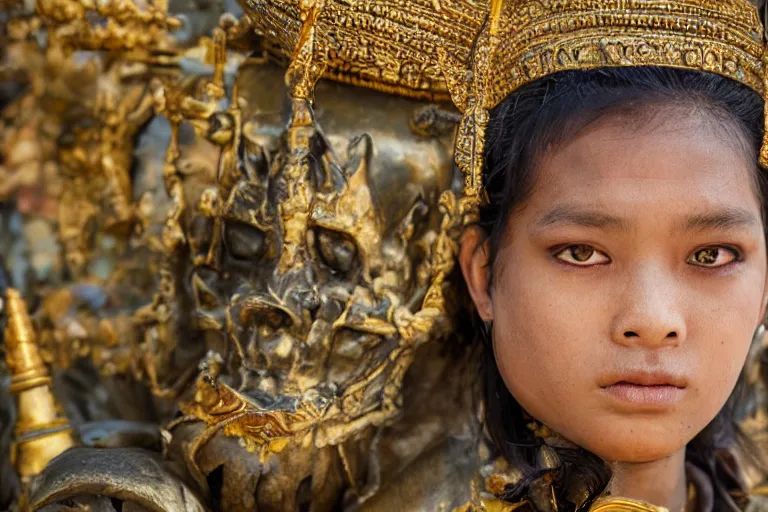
(200, 232)
(256, 159)
(244, 242)
(337, 250)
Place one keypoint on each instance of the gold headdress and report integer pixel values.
(479, 51)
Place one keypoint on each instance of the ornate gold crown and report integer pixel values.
(535, 39)
(479, 51)
(385, 45)
(394, 46)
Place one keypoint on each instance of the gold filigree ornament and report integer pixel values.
(478, 52)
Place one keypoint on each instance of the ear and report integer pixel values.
(473, 258)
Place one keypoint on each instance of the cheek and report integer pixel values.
(720, 330)
(548, 346)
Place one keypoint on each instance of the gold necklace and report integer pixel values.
(630, 505)
(624, 505)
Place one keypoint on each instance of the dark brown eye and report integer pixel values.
(337, 250)
(582, 253)
(713, 257)
(582, 256)
(244, 242)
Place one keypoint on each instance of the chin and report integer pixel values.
(636, 444)
(638, 453)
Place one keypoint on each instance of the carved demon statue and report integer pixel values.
(251, 302)
(311, 261)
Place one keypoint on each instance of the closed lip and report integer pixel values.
(644, 378)
(648, 391)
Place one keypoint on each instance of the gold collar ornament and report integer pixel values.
(624, 505)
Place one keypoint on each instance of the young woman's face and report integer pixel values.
(628, 287)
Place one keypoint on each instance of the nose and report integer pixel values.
(650, 311)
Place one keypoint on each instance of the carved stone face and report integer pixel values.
(301, 263)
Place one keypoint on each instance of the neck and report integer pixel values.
(661, 483)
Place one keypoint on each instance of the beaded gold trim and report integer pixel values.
(540, 38)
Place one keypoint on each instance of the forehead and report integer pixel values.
(673, 160)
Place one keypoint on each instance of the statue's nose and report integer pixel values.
(291, 300)
(257, 310)
(308, 299)
(301, 293)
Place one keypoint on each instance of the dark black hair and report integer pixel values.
(535, 119)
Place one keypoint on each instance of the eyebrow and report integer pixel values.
(572, 214)
(721, 219)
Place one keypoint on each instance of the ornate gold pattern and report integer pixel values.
(542, 38)
(127, 26)
(394, 46)
(386, 45)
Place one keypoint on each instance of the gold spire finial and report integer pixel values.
(42, 433)
(495, 16)
(309, 59)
